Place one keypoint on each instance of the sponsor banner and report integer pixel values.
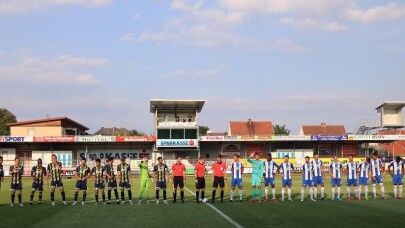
(230, 150)
(297, 163)
(254, 148)
(16, 139)
(291, 138)
(54, 139)
(376, 137)
(257, 138)
(218, 138)
(297, 153)
(344, 160)
(177, 143)
(135, 138)
(65, 157)
(328, 137)
(103, 156)
(95, 138)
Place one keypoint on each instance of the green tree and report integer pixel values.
(281, 130)
(5, 118)
(203, 130)
(135, 132)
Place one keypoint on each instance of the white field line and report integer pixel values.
(219, 212)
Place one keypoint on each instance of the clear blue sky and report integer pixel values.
(289, 61)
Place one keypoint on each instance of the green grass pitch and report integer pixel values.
(373, 213)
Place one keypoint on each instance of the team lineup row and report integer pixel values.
(358, 177)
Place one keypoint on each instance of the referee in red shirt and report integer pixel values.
(218, 177)
(199, 175)
(179, 178)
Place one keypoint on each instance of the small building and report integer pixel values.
(390, 115)
(59, 126)
(250, 128)
(176, 127)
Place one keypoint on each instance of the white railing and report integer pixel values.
(170, 122)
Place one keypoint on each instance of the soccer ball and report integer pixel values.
(204, 200)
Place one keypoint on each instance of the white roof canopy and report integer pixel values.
(392, 104)
(176, 105)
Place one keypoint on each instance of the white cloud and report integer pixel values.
(23, 6)
(128, 37)
(204, 35)
(63, 69)
(222, 22)
(314, 24)
(300, 7)
(289, 46)
(195, 73)
(198, 27)
(376, 14)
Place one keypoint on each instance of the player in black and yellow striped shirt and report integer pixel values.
(98, 173)
(160, 176)
(111, 179)
(82, 172)
(124, 175)
(37, 173)
(55, 172)
(16, 172)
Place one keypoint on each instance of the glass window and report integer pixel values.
(191, 134)
(177, 133)
(163, 134)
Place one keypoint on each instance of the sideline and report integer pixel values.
(218, 211)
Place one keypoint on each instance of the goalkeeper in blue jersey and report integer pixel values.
(257, 175)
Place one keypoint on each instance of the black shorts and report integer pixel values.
(160, 185)
(112, 185)
(37, 186)
(55, 184)
(200, 183)
(218, 181)
(99, 186)
(16, 187)
(126, 185)
(178, 181)
(81, 185)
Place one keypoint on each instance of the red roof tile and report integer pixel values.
(251, 128)
(323, 129)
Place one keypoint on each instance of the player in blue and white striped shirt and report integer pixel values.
(269, 166)
(237, 171)
(351, 172)
(335, 172)
(286, 168)
(397, 176)
(365, 173)
(307, 179)
(376, 176)
(318, 176)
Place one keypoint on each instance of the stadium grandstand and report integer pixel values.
(176, 124)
